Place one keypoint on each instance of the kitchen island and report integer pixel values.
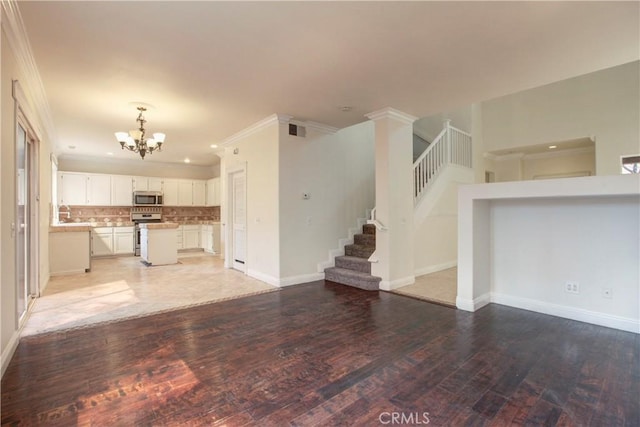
(158, 244)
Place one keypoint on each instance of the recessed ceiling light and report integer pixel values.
(346, 108)
(109, 153)
(214, 145)
(187, 160)
(553, 146)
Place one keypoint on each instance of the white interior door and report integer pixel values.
(239, 220)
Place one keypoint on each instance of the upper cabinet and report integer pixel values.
(170, 191)
(72, 188)
(143, 183)
(213, 192)
(121, 190)
(99, 190)
(185, 193)
(199, 193)
(83, 189)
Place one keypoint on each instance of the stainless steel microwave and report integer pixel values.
(147, 198)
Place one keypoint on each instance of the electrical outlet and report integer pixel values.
(607, 293)
(572, 287)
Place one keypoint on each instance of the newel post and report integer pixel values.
(394, 197)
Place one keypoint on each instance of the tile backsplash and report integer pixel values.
(122, 214)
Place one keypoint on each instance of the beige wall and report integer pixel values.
(12, 69)
(259, 152)
(337, 170)
(7, 198)
(579, 162)
(604, 105)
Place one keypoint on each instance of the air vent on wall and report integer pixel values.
(296, 130)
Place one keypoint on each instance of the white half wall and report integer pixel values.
(521, 242)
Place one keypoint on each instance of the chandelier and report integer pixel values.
(135, 140)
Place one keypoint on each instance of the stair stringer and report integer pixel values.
(333, 253)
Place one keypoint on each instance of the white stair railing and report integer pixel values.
(451, 146)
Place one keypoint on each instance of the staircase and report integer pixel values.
(354, 268)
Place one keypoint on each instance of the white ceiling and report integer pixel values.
(211, 69)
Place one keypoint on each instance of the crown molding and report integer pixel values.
(320, 127)
(391, 113)
(32, 85)
(256, 127)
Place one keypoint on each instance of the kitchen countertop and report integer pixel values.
(71, 227)
(87, 226)
(158, 225)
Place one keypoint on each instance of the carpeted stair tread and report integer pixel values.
(361, 251)
(369, 229)
(365, 239)
(353, 263)
(352, 278)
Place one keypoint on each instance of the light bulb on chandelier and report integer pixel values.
(135, 139)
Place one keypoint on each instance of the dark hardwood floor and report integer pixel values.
(326, 354)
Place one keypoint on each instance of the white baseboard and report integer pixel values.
(273, 281)
(573, 313)
(387, 285)
(473, 304)
(65, 273)
(285, 281)
(304, 278)
(437, 267)
(8, 351)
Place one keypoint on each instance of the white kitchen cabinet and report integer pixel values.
(206, 238)
(143, 183)
(190, 237)
(216, 237)
(199, 193)
(140, 183)
(102, 241)
(170, 191)
(72, 188)
(155, 184)
(121, 190)
(123, 240)
(157, 246)
(99, 190)
(185, 193)
(179, 233)
(213, 192)
(107, 241)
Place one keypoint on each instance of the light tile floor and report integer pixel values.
(119, 288)
(440, 287)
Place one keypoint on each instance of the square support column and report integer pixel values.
(394, 198)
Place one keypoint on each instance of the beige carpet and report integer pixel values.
(122, 288)
(439, 287)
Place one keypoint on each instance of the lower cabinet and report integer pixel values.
(102, 241)
(123, 240)
(112, 241)
(210, 238)
(190, 236)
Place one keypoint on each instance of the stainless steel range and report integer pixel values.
(141, 215)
